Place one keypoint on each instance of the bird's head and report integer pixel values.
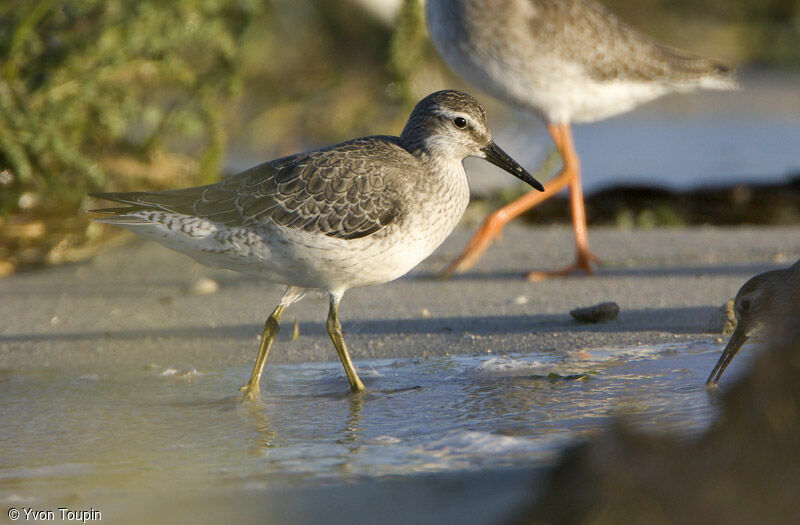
(452, 125)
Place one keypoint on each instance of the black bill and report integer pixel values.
(734, 344)
(500, 158)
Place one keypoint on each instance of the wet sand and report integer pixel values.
(132, 305)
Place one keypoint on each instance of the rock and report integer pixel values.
(520, 300)
(204, 286)
(599, 313)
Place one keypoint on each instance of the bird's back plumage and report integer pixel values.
(568, 60)
(585, 33)
(339, 192)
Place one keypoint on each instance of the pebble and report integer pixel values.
(599, 313)
(204, 286)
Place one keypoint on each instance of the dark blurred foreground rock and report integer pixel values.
(745, 469)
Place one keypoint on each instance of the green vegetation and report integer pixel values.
(742, 32)
(86, 85)
(409, 48)
(314, 74)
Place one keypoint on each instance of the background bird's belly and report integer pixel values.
(574, 98)
(599, 100)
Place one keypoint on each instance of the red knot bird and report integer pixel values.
(355, 214)
(767, 303)
(567, 61)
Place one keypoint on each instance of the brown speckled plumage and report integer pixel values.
(337, 191)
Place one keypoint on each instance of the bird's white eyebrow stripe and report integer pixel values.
(444, 112)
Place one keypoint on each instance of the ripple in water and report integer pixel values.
(99, 433)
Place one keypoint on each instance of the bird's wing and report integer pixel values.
(347, 191)
(588, 34)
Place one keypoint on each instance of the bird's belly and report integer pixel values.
(290, 257)
(392, 253)
(340, 264)
(593, 100)
(314, 260)
(386, 257)
(555, 90)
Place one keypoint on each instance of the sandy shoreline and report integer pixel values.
(131, 306)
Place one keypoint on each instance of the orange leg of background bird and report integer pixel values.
(494, 223)
(584, 257)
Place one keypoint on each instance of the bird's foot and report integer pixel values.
(250, 392)
(491, 229)
(582, 264)
(357, 387)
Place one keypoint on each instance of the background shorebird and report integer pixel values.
(769, 302)
(567, 61)
(359, 213)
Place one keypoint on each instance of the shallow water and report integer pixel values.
(70, 434)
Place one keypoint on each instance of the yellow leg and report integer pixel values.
(335, 332)
(271, 329)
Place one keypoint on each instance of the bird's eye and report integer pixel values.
(460, 122)
(745, 305)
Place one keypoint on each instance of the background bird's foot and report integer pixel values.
(491, 229)
(582, 264)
